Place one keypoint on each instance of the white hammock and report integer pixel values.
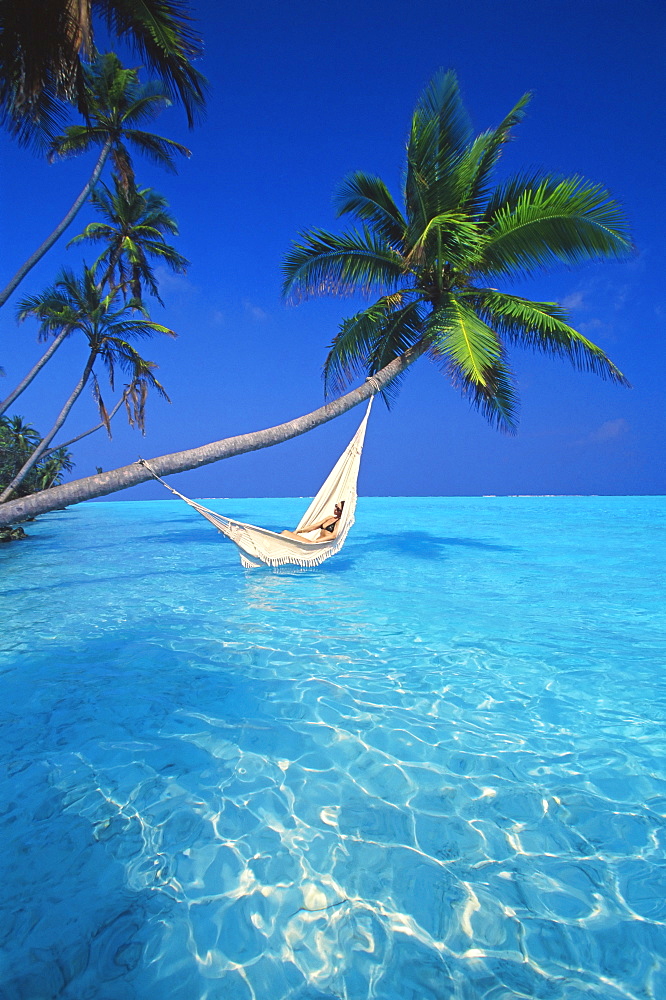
(260, 547)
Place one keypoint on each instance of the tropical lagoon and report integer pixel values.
(431, 768)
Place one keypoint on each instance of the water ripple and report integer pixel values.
(338, 785)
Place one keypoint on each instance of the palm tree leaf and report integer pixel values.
(401, 331)
(497, 400)
(543, 327)
(39, 69)
(369, 199)
(322, 263)
(384, 330)
(147, 103)
(458, 334)
(452, 238)
(93, 231)
(472, 357)
(484, 153)
(76, 139)
(569, 221)
(161, 32)
(508, 192)
(156, 148)
(440, 134)
(141, 328)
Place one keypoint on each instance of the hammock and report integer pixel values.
(260, 547)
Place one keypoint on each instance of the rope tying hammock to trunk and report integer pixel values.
(261, 547)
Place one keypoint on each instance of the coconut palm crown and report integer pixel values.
(135, 222)
(118, 105)
(45, 45)
(435, 262)
(78, 304)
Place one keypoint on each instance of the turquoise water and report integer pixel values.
(433, 768)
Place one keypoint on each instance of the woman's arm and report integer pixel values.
(317, 524)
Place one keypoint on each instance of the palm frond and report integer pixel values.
(93, 231)
(323, 263)
(542, 327)
(140, 328)
(367, 341)
(157, 148)
(138, 106)
(472, 357)
(74, 140)
(484, 153)
(570, 222)
(452, 238)
(101, 407)
(508, 192)
(368, 198)
(161, 31)
(439, 136)
(401, 331)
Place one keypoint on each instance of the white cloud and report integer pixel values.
(611, 430)
(591, 326)
(575, 300)
(256, 312)
(170, 283)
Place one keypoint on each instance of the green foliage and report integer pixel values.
(44, 47)
(109, 323)
(118, 106)
(135, 221)
(18, 440)
(431, 262)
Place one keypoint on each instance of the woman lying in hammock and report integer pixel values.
(328, 527)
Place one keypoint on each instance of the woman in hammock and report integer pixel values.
(328, 527)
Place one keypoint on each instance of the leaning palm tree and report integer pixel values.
(435, 261)
(43, 44)
(135, 222)
(118, 105)
(80, 305)
(431, 261)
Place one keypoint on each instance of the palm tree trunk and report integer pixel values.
(45, 442)
(23, 385)
(59, 229)
(53, 347)
(180, 461)
(97, 427)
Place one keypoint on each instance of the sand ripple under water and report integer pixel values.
(433, 768)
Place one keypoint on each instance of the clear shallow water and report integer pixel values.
(432, 768)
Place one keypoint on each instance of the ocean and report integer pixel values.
(434, 767)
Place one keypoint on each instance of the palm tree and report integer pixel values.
(135, 223)
(79, 304)
(131, 393)
(105, 483)
(51, 469)
(117, 105)
(435, 261)
(43, 43)
(20, 435)
(17, 441)
(431, 261)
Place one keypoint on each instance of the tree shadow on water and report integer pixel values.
(426, 545)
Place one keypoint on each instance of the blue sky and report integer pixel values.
(301, 93)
